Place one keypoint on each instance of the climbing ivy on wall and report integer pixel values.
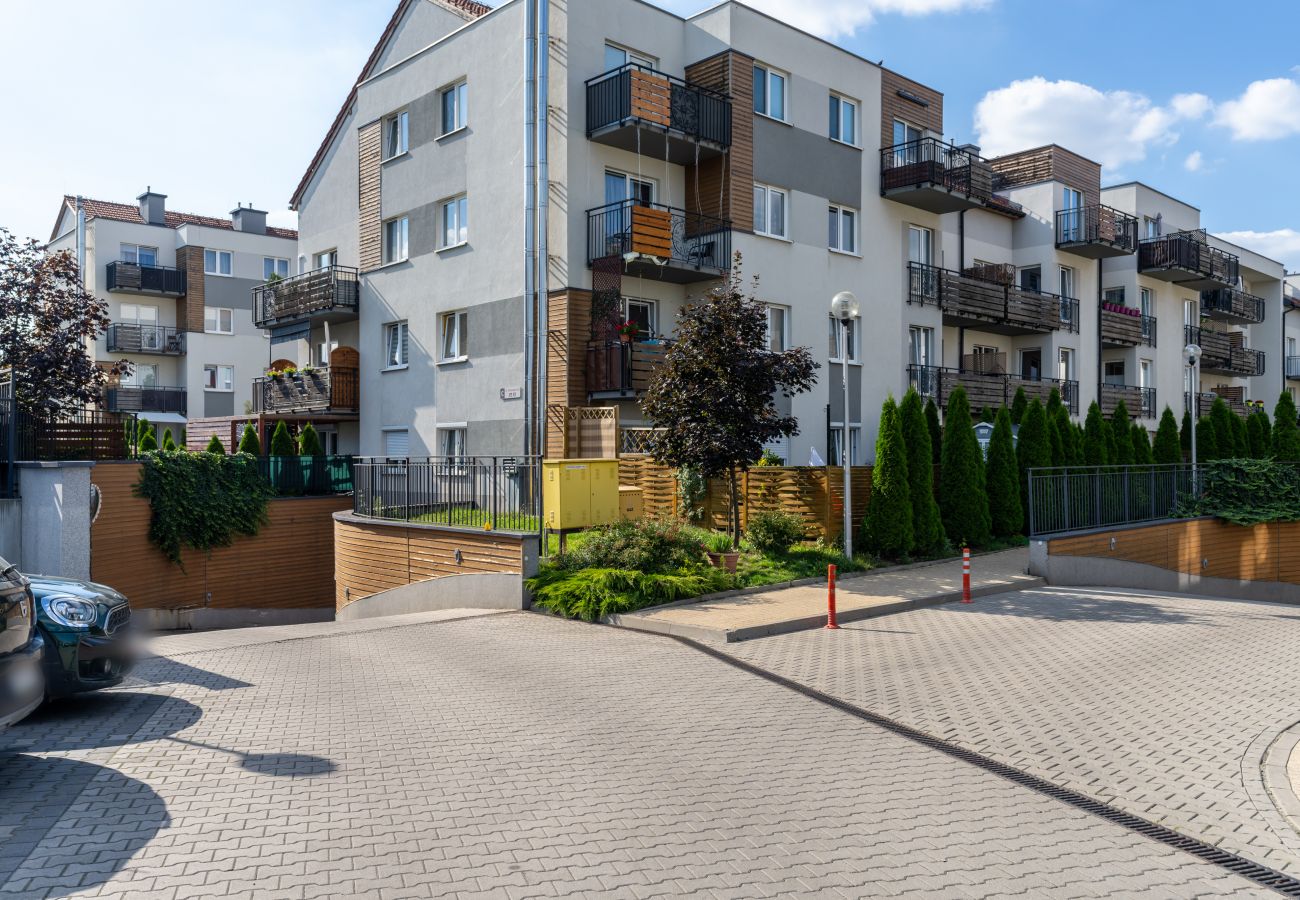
(1246, 492)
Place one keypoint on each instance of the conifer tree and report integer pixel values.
(249, 442)
(1053, 403)
(1019, 404)
(936, 430)
(215, 446)
(1080, 457)
(1167, 450)
(142, 427)
(1053, 409)
(1064, 429)
(1221, 420)
(1257, 434)
(281, 442)
(888, 528)
(927, 528)
(148, 442)
(1185, 434)
(169, 442)
(1095, 451)
(309, 442)
(1112, 448)
(963, 501)
(1285, 438)
(1120, 427)
(1033, 451)
(1207, 441)
(1005, 511)
(1240, 437)
(1142, 455)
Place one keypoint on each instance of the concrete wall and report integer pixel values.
(11, 530)
(55, 518)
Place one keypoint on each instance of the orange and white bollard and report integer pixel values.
(965, 575)
(830, 597)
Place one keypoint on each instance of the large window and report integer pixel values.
(837, 443)
(218, 378)
(1145, 301)
(455, 336)
(138, 314)
(272, 265)
(645, 314)
(906, 148)
(325, 259)
(843, 230)
(769, 92)
(396, 134)
(1065, 364)
(1150, 227)
(395, 232)
(838, 334)
(617, 57)
(218, 320)
(451, 441)
(141, 375)
(455, 107)
(453, 222)
(1114, 372)
(920, 345)
(395, 341)
(843, 120)
(778, 328)
(139, 254)
(1067, 282)
(216, 262)
(769, 211)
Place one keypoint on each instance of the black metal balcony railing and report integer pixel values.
(989, 301)
(1187, 256)
(986, 388)
(128, 337)
(1232, 305)
(1099, 226)
(1225, 353)
(129, 398)
(319, 390)
(933, 163)
(124, 276)
(623, 368)
(1233, 397)
(1293, 367)
(1139, 401)
(319, 293)
(639, 95)
(663, 235)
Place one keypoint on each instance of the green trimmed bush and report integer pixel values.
(169, 442)
(927, 527)
(215, 446)
(1112, 448)
(1221, 419)
(888, 526)
(1258, 433)
(1053, 403)
(652, 546)
(249, 442)
(148, 443)
(309, 442)
(1167, 449)
(1119, 424)
(935, 429)
(1240, 438)
(1019, 404)
(593, 594)
(1185, 434)
(282, 442)
(1064, 428)
(1141, 441)
(1286, 436)
(1246, 492)
(1033, 451)
(1095, 450)
(1207, 441)
(1005, 513)
(963, 500)
(774, 531)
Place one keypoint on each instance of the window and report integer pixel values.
(216, 262)
(136, 314)
(838, 334)
(139, 255)
(141, 375)
(1290, 349)
(842, 232)
(454, 327)
(1031, 363)
(323, 351)
(325, 260)
(1031, 279)
(454, 107)
(1192, 313)
(1144, 373)
(1072, 199)
(395, 345)
(778, 328)
(1150, 226)
(453, 218)
(218, 321)
(616, 57)
(218, 378)
(1067, 282)
(985, 360)
(396, 133)
(769, 92)
(1114, 295)
(1114, 372)
(451, 441)
(395, 231)
(769, 211)
(844, 120)
(1065, 364)
(397, 443)
(1145, 301)
(643, 313)
(272, 265)
(920, 356)
(1071, 218)
(302, 264)
(837, 442)
(907, 149)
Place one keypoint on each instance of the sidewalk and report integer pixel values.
(744, 616)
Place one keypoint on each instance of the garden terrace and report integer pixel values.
(132, 399)
(1229, 304)
(987, 388)
(1186, 258)
(327, 390)
(939, 177)
(138, 279)
(986, 298)
(328, 294)
(642, 110)
(1139, 401)
(618, 369)
(657, 241)
(497, 493)
(1126, 327)
(1096, 232)
(1225, 353)
(128, 337)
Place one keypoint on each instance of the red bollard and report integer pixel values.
(830, 597)
(965, 575)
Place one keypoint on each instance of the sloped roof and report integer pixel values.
(130, 212)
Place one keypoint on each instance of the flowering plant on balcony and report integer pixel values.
(627, 330)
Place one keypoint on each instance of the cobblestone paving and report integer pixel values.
(518, 756)
(1161, 705)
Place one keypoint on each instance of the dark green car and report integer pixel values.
(89, 644)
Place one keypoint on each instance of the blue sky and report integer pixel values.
(1202, 101)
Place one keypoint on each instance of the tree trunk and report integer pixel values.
(735, 507)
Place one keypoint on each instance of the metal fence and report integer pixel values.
(307, 475)
(1077, 498)
(489, 492)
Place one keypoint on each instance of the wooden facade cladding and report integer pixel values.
(189, 308)
(723, 186)
(1050, 163)
(651, 98)
(896, 93)
(568, 318)
(369, 208)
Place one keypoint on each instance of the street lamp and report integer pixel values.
(844, 306)
(1192, 354)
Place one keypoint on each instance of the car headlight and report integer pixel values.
(74, 612)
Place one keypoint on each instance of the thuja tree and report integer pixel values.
(1185, 435)
(713, 397)
(963, 501)
(1057, 445)
(309, 442)
(47, 323)
(169, 442)
(1019, 404)
(1119, 425)
(1257, 434)
(936, 430)
(1167, 450)
(249, 442)
(888, 527)
(148, 442)
(282, 443)
(1033, 451)
(1141, 441)
(215, 445)
(1005, 514)
(1072, 454)
(927, 528)
(1095, 451)
(1285, 436)
(1240, 438)
(1221, 420)
(1207, 441)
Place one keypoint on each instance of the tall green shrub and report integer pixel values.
(1095, 451)
(888, 528)
(1053, 403)
(1120, 427)
(1240, 438)
(148, 443)
(1185, 435)
(281, 442)
(963, 501)
(935, 429)
(215, 446)
(309, 442)
(1221, 420)
(1207, 441)
(1258, 433)
(1005, 512)
(1112, 448)
(1142, 455)
(249, 442)
(927, 528)
(169, 442)
(1286, 436)
(1167, 450)
(1064, 429)
(1019, 404)
(1033, 451)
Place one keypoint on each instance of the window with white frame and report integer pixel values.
(1192, 313)
(323, 351)
(1113, 295)
(397, 443)
(396, 134)
(141, 375)
(1146, 300)
(1144, 373)
(139, 314)
(616, 57)
(1067, 282)
(325, 259)
(778, 328)
(451, 441)
(455, 331)
(455, 99)
(644, 313)
(216, 262)
(837, 442)
(453, 218)
(1150, 226)
(1065, 364)
(395, 232)
(920, 345)
(302, 264)
(273, 265)
(769, 211)
(218, 378)
(842, 231)
(395, 340)
(843, 120)
(769, 92)
(218, 320)
(839, 333)
(139, 254)
(907, 143)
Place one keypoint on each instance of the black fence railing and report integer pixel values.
(675, 236)
(79, 434)
(986, 388)
(145, 399)
(127, 337)
(646, 97)
(1224, 353)
(931, 162)
(1078, 498)
(1096, 224)
(307, 475)
(499, 493)
(330, 289)
(1190, 252)
(1232, 304)
(1293, 367)
(124, 276)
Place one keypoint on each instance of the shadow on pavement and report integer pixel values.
(1084, 605)
(69, 848)
(281, 765)
(158, 670)
(103, 719)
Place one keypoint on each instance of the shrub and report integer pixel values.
(774, 531)
(249, 442)
(169, 442)
(1221, 420)
(1019, 405)
(1112, 449)
(963, 503)
(1053, 403)
(1285, 436)
(1246, 492)
(927, 529)
(1003, 484)
(1141, 446)
(1095, 451)
(1185, 434)
(936, 431)
(1167, 450)
(1064, 429)
(888, 526)
(691, 487)
(1033, 451)
(769, 458)
(718, 542)
(1258, 434)
(281, 442)
(1240, 438)
(593, 594)
(1207, 441)
(215, 446)
(309, 442)
(148, 442)
(1119, 425)
(645, 545)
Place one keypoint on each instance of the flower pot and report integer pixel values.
(729, 561)
(625, 338)
(715, 559)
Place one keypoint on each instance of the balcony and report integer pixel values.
(132, 399)
(1186, 258)
(1232, 305)
(126, 337)
(1293, 368)
(1139, 401)
(330, 390)
(986, 388)
(932, 175)
(986, 299)
(645, 111)
(1096, 232)
(1235, 397)
(618, 369)
(137, 279)
(328, 294)
(1123, 326)
(661, 242)
(1225, 353)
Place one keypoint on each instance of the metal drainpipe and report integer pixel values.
(1099, 375)
(961, 267)
(542, 253)
(530, 224)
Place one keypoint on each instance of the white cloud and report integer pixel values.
(1112, 127)
(1282, 245)
(1266, 110)
(834, 18)
(1194, 161)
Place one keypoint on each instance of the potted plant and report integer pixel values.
(721, 553)
(274, 374)
(627, 330)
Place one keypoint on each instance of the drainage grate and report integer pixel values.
(1262, 875)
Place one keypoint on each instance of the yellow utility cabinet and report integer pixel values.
(577, 493)
(631, 503)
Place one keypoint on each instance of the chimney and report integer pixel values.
(249, 220)
(153, 207)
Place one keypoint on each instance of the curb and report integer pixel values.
(1273, 765)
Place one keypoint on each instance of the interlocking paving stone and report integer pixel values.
(517, 755)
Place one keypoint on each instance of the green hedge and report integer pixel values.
(1246, 492)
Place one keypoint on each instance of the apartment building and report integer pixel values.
(178, 288)
(483, 311)
(1291, 333)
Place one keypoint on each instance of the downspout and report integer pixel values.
(81, 241)
(530, 223)
(961, 267)
(542, 253)
(1099, 366)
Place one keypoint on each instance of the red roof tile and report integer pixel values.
(130, 212)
